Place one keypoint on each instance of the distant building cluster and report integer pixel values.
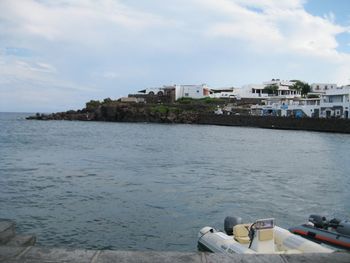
(325, 100)
(272, 98)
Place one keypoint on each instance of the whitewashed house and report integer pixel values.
(252, 91)
(192, 91)
(298, 107)
(322, 87)
(284, 90)
(179, 91)
(335, 103)
(224, 93)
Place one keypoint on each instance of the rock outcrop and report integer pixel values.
(191, 113)
(127, 112)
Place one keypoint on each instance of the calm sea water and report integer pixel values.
(152, 187)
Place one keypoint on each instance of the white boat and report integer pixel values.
(260, 237)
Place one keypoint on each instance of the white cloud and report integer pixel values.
(73, 20)
(28, 86)
(37, 66)
(110, 75)
(27, 74)
(74, 45)
(330, 17)
(280, 4)
(280, 27)
(283, 25)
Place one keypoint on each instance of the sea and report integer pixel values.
(142, 186)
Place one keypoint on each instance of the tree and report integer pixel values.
(301, 86)
(92, 105)
(107, 100)
(271, 89)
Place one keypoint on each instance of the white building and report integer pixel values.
(191, 91)
(180, 91)
(335, 103)
(284, 90)
(297, 107)
(322, 87)
(253, 91)
(331, 104)
(224, 93)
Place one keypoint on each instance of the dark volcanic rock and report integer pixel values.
(190, 114)
(123, 112)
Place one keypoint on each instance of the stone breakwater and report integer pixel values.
(194, 114)
(307, 124)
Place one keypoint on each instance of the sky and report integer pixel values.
(55, 55)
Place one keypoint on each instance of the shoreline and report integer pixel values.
(194, 112)
(265, 122)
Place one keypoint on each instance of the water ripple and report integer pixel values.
(152, 187)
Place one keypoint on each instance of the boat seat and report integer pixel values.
(241, 233)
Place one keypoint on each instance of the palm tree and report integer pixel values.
(271, 89)
(301, 86)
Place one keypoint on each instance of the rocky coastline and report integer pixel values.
(191, 113)
(127, 112)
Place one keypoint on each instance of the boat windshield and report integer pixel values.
(264, 223)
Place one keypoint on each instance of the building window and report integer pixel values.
(325, 87)
(186, 94)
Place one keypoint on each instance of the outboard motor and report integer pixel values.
(334, 223)
(343, 227)
(230, 222)
(318, 221)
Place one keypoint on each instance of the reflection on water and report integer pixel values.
(149, 186)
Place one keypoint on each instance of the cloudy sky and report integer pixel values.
(57, 54)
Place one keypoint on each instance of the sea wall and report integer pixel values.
(194, 114)
(307, 124)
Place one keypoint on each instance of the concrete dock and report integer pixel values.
(8, 235)
(20, 249)
(37, 254)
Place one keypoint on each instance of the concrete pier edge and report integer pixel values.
(33, 254)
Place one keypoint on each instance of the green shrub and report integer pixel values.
(185, 100)
(160, 109)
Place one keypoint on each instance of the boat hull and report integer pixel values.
(322, 236)
(215, 241)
